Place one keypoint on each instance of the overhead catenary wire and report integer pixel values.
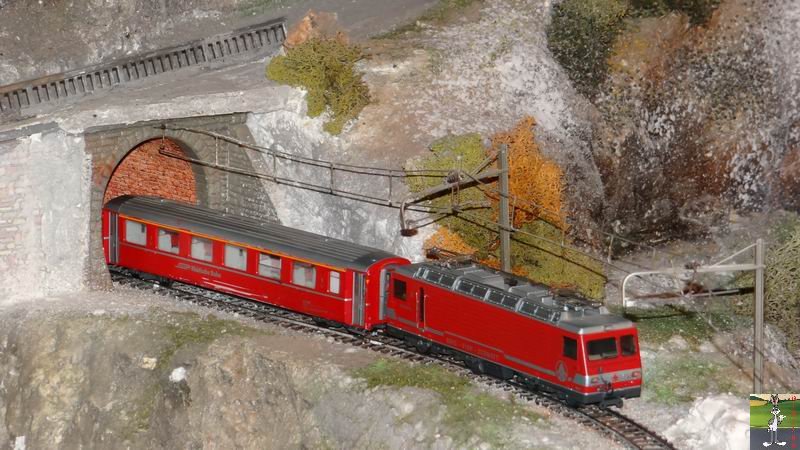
(391, 174)
(436, 212)
(322, 189)
(325, 164)
(519, 200)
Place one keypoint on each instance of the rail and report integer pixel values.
(612, 424)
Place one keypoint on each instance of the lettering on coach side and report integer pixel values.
(197, 269)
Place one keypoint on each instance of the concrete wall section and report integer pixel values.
(44, 215)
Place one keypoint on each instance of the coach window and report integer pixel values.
(334, 282)
(570, 348)
(269, 265)
(168, 240)
(399, 289)
(628, 345)
(135, 232)
(201, 248)
(235, 257)
(304, 274)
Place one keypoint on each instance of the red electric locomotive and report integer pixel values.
(496, 322)
(507, 326)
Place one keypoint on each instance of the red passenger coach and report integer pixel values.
(507, 326)
(305, 272)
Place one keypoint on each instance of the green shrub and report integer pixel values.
(581, 35)
(326, 69)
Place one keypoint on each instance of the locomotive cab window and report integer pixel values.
(304, 274)
(135, 232)
(602, 349)
(628, 345)
(334, 282)
(202, 248)
(269, 265)
(235, 257)
(399, 289)
(570, 348)
(168, 240)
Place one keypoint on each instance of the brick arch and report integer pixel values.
(144, 170)
(108, 147)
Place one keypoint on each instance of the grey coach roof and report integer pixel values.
(269, 236)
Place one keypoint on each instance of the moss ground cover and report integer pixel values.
(469, 412)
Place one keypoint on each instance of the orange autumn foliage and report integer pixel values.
(315, 25)
(448, 240)
(533, 179)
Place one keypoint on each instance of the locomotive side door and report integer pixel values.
(385, 283)
(421, 308)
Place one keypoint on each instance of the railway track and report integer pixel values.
(609, 422)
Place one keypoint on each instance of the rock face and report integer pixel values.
(694, 125)
(113, 370)
(113, 381)
(368, 224)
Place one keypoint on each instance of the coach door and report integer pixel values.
(358, 299)
(113, 239)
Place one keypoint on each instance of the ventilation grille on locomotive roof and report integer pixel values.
(537, 302)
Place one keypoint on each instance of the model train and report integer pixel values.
(496, 322)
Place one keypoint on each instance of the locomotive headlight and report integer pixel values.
(636, 374)
(595, 380)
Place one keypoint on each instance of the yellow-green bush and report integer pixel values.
(463, 151)
(448, 153)
(326, 69)
(554, 265)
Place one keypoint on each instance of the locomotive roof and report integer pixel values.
(524, 297)
(266, 235)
